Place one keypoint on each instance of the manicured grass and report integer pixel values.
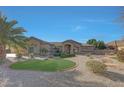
(46, 65)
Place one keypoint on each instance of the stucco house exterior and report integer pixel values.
(43, 48)
(40, 48)
(118, 44)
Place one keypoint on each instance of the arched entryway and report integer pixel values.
(67, 48)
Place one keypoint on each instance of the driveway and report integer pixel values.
(78, 77)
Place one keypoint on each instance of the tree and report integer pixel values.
(10, 34)
(98, 44)
(92, 41)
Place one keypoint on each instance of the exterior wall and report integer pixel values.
(64, 47)
(17, 50)
(33, 45)
(88, 48)
(74, 48)
(50, 49)
(99, 52)
(40, 48)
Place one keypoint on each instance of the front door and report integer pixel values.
(68, 48)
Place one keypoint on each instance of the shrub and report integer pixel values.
(96, 66)
(57, 54)
(88, 54)
(65, 55)
(120, 55)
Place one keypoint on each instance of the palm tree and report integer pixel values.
(10, 34)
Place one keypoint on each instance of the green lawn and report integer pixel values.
(46, 65)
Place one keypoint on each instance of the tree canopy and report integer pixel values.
(98, 44)
(10, 33)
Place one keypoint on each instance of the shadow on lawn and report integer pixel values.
(114, 76)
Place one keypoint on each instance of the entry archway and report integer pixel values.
(68, 48)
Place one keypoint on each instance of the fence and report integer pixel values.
(99, 52)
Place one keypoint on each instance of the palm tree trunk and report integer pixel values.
(2, 52)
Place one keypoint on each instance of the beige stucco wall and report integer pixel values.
(40, 45)
(75, 48)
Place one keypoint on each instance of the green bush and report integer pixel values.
(96, 66)
(66, 55)
(120, 55)
(57, 54)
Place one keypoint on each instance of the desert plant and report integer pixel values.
(96, 66)
(120, 55)
(88, 54)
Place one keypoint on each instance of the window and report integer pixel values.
(31, 49)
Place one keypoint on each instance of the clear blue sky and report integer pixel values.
(62, 23)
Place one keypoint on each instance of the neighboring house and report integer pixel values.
(119, 44)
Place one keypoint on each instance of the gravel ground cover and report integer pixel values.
(78, 77)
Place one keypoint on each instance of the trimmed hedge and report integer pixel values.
(96, 66)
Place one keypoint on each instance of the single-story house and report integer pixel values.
(43, 48)
(118, 44)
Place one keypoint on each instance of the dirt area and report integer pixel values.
(114, 75)
(77, 77)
